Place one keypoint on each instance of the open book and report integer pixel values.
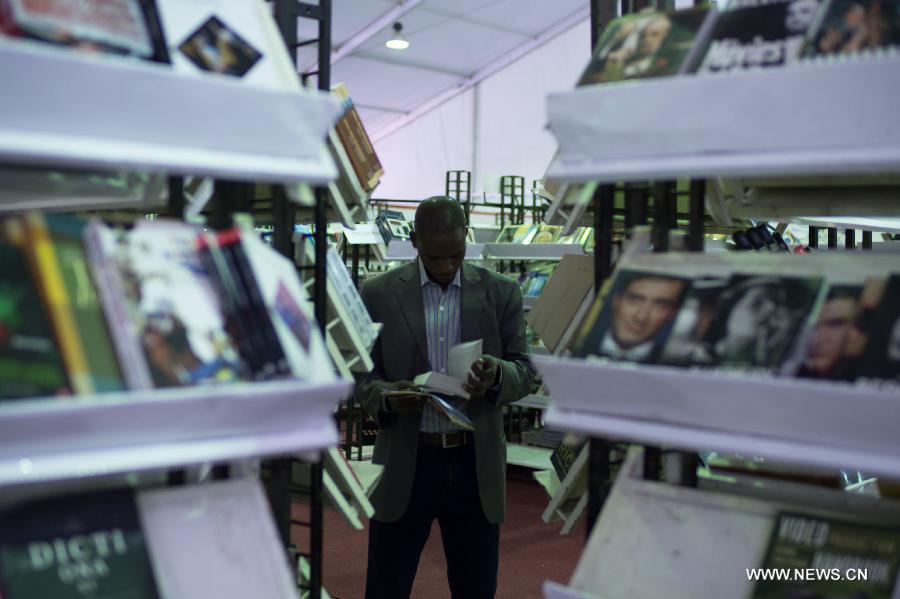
(443, 407)
(459, 362)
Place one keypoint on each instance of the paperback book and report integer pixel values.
(356, 141)
(756, 320)
(57, 252)
(830, 559)
(820, 354)
(123, 27)
(78, 547)
(856, 28)
(647, 44)
(634, 319)
(751, 34)
(881, 359)
(30, 362)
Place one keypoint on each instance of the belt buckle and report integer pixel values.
(444, 443)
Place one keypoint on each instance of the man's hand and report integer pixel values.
(484, 374)
(404, 404)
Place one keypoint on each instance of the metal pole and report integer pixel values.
(867, 240)
(814, 237)
(850, 239)
(832, 238)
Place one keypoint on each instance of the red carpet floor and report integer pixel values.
(530, 551)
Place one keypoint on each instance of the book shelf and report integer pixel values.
(115, 129)
(530, 251)
(750, 154)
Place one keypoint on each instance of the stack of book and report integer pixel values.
(87, 309)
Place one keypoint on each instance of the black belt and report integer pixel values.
(444, 440)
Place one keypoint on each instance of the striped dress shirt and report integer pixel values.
(442, 328)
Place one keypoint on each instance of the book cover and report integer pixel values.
(126, 27)
(752, 34)
(881, 359)
(820, 353)
(564, 456)
(240, 317)
(177, 313)
(830, 559)
(356, 141)
(79, 547)
(862, 328)
(105, 249)
(30, 361)
(289, 311)
(855, 28)
(756, 320)
(238, 261)
(48, 279)
(646, 44)
(634, 319)
(693, 320)
(63, 254)
(217, 48)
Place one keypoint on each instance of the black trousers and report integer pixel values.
(445, 488)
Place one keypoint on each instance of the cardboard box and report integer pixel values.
(561, 297)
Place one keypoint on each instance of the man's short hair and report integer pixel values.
(439, 215)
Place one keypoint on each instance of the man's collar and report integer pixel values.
(424, 280)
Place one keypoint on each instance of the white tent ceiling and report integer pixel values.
(453, 45)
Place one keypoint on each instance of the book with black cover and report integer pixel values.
(30, 361)
(124, 27)
(633, 320)
(80, 547)
(241, 315)
(757, 319)
(829, 559)
(752, 34)
(855, 28)
(564, 456)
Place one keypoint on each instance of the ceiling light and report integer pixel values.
(397, 41)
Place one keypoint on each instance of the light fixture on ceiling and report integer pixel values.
(397, 41)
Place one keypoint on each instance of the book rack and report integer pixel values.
(792, 167)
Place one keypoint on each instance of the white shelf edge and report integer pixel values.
(772, 138)
(53, 439)
(148, 117)
(530, 251)
(810, 423)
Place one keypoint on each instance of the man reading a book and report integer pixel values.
(433, 469)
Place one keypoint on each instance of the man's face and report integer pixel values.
(830, 334)
(643, 308)
(441, 253)
(653, 35)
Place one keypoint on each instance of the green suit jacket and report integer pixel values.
(491, 309)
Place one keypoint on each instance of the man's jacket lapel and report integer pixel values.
(472, 303)
(409, 295)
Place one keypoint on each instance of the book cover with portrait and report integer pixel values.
(647, 44)
(634, 319)
(820, 351)
(756, 320)
(693, 320)
(855, 28)
(753, 34)
(881, 359)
